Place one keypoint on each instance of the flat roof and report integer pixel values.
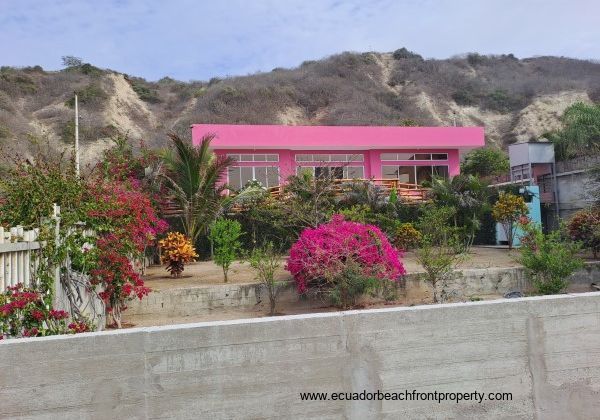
(315, 137)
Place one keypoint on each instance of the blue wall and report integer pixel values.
(534, 213)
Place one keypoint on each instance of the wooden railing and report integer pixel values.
(410, 193)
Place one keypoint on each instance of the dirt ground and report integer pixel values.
(207, 272)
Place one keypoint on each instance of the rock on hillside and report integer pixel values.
(515, 99)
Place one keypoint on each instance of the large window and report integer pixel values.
(239, 176)
(414, 174)
(337, 172)
(413, 156)
(257, 157)
(339, 157)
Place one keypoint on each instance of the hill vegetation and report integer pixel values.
(516, 99)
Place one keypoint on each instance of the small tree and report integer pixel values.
(507, 211)
(225, 237)
(548, 259)
(486, 161)
(437, 252)
(265, 263)
(71, 61)
(439, 262)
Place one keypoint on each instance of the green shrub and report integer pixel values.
(405, 53)
(350, 284)
(486, 161)
(475, 59)
(225, 236)
(406, 236)
(465, 97)
(4, 132)
(548, 259)
(92, 94)
(502, 101)
(144, 92)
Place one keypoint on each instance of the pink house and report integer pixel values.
(271, 153)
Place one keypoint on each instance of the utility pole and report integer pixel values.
(76, 137)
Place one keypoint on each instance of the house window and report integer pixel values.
(413, 156)
(258, 157)
(239, 176)
(336, 157)
(337, 172)
(414, 174)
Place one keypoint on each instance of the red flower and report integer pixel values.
(78, 327)
(58, 314)
(30, 333)
(37, 314)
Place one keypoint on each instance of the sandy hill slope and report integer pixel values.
(515, 99)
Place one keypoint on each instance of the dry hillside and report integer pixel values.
(515, 99)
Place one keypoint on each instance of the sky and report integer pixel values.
(199, 39)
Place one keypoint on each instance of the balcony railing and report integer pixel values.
(409, 193)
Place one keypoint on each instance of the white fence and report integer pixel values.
(18, 256)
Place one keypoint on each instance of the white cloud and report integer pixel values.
(190, 39)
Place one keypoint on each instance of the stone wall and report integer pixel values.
(543, 350)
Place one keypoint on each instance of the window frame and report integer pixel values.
(266, 157)
(413, 157)
(253, 168)
(415, 171)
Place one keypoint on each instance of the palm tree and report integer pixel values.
(468, 195)
(192, 175)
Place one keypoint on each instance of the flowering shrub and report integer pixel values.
(177, 250)
(335, 250)
(584, 226)
(406, 236)
(23, 313)
(126, 224)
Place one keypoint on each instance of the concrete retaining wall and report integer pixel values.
(200, 300)
(543, 350)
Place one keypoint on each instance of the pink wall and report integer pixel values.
(287, 141)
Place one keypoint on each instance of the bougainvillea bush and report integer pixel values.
(125, 223)
(584, 227)
(341, 252)
(23, 313)
(115, 201)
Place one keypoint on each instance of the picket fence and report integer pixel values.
(19, 258)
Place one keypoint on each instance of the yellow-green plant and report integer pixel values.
(406, 236)
(507, 211)
(177, 250)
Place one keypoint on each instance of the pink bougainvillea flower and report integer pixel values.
(321, 252)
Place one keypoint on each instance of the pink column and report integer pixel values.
(453, 163)
(287, 166)
(374, 157)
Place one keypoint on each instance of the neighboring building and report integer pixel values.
(564, 187)
(271, 153)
